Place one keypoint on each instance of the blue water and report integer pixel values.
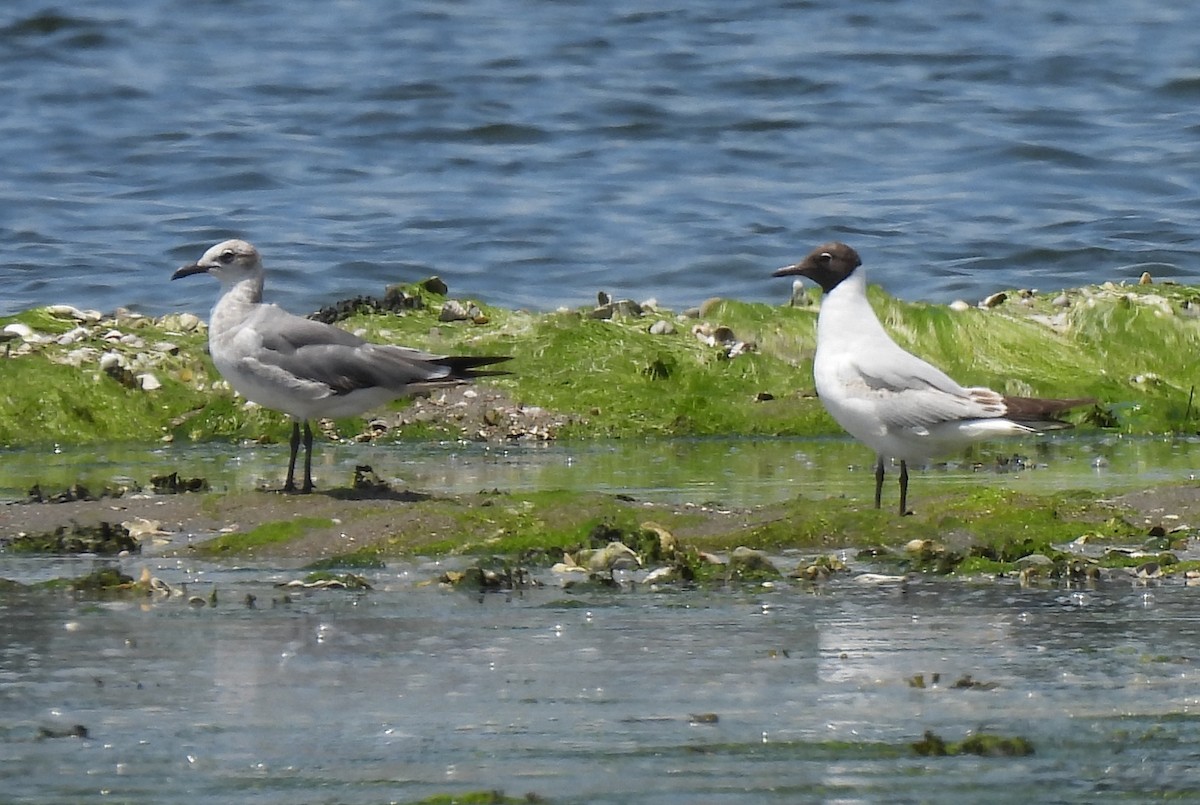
(411, 691)
(533, 152)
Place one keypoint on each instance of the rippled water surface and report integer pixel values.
(759, 694)
(532, 152)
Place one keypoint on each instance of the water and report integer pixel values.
(410, 690)
(735, 472)
(533, 152)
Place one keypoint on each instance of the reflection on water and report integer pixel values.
(731, 471)
(408, 691)
(783, 694)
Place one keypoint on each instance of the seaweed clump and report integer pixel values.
(982, 744)
(105, 539)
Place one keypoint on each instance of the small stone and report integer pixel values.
(662, 327)
(140, 527)
(662, 575)
(750, 560)
(724, 335)
(613, 556)
(19, 330)
(453, 310)
(436, 285)
(602, 311)
(65, 312)
(650, 305)
(1062, 300)
(111, 360)
(958, 306)
(149, 382)
(1149, 570)
(80, 356)
(165, 347)
(629, 308)
(668, 543)
(72, 336)
(995, 300)
(188, 322)
(708, 305)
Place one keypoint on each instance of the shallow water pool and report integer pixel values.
(736, 472)
(785, 693)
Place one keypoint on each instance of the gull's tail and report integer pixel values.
(1042, 414)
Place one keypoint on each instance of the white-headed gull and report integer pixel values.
(305, 368)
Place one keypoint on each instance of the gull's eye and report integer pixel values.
(227, 257)
(826, 257)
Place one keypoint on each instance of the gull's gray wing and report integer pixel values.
(317, 352)
(907, 392)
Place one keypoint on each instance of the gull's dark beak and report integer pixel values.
(786, 271)
(187, 271)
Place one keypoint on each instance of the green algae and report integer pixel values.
(1128, 346)
(101, 582)
(967, 530)
(264, 535)
(478, 798)
(982, 744)
(534, 523)
(365, 558)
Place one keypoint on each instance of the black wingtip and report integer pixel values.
(465, 367)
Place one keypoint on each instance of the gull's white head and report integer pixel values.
(230, 262)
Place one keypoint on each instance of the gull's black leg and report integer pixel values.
(903, 488)
(878, 480)
(308, 484)
(290, 484)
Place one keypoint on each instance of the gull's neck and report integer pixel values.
(846, 315)
(237, 300)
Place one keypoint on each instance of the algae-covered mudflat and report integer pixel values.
(643, 567)
(624, 370)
